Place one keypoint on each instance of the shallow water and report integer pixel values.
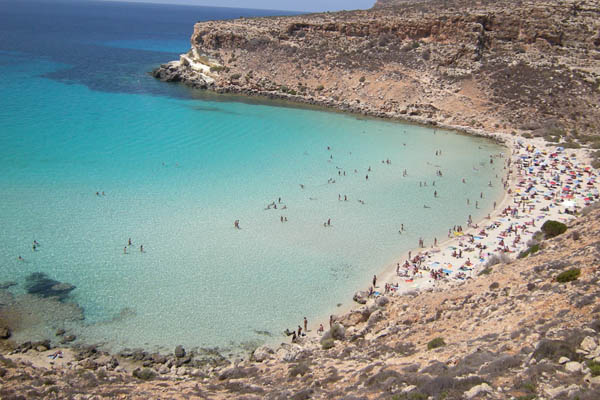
(177, 171)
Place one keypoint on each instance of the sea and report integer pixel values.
(95, 152)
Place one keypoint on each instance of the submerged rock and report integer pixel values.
(40, 284)
(7, 284)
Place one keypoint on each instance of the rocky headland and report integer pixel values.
(529, 67)
(521, 329)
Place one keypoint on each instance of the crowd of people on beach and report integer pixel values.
(541, 184)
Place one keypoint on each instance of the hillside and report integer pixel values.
(531, 67)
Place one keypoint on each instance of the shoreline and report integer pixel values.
(312, 339)
(387, 272)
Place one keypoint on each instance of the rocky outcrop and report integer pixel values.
(507, 66)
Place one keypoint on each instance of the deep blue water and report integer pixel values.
(107, 46)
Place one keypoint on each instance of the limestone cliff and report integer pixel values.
(529, 66)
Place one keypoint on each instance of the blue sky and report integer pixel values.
(302, 5)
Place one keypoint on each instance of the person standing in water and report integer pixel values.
(305, 325)
(141, 248)
(236, 224)
(374, 280)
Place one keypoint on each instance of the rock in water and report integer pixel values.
(179, 351)
(41, 285)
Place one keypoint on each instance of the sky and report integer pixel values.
(287, 5)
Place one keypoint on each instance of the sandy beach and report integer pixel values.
(534, 164)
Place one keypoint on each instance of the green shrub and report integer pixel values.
(485, 271)
(235, 77)
(435, 343)
(361, 79)
(568, 276)
(553, 228)
(327, 343)
(571, 145)
(531, 250)
(594, 368)
(217, 68)
(320, 87)
(555, 349)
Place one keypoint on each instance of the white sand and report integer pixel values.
(520, 179)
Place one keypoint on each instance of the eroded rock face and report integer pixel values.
(489, 64)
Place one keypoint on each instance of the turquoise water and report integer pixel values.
(177, 172)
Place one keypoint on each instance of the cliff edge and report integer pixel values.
(532, 67)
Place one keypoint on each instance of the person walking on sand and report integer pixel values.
(321, 329)
(331, 321)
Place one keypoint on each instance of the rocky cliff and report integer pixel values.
(526, 66)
